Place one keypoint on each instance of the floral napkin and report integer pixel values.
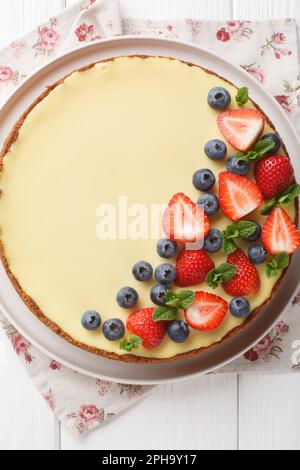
(267, 50)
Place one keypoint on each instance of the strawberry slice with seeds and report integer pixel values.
(238, 195)
(279, 233)
(207, 312)
(241, 127)
(184, 221)
(247, 280)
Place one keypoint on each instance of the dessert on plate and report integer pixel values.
(94, 155)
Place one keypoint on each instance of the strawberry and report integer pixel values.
(141, 324)
(184, 221)
(207, 312)
(238, 195)
(192, 267)
(246, 281)
(279, 233)
(241, 127)
(273, 175)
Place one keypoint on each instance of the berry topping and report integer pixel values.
(213, 241)
(113, 329)
(277, 141)
(204, 179)
(165, 274)
(127, 297)
(257, 254)
(178, 331)
(246, 281)
(241, 127)
(239, 167)
(239, 307)
(142, 325)
(209, 203)
(166, 248)
(273, 175)
(279, 233)
(256, 235)
(142, 271)
(218, 98)
(215, 149)
(207, 312)
(158, 294)
(91, 320)
(192, 267)
(238, 195)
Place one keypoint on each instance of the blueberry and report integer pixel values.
(215, 149)
(178, 331)
(127, 297)
(113, 329)
(257, 254)
(239, 307)
(165, 274)
(166, 248)
(142, 271)
(204, 179)
(218, 98)
(256, 235)
(239, 167)
(210, 203)
(158, 294)
(277, 141)
(91, 320)
(213, 241)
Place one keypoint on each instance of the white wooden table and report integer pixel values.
(222, 412)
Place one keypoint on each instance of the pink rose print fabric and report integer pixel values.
(268, 51)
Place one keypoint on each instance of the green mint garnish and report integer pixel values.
(131, 343)
(174, 301)
(242, 229)
(260, 149)
(222, 274)
(284, 199)
(242, 96)
(165, 313)
(278, 262)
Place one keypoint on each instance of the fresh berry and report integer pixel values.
(257, 254)
(246, 281)
(142, 271)
(184, 221)
(210, 203)
(213, 241)
(218, 98)
(178, 331)
(239, 307)
(279, 233)
(127, 297)
(239, 167)
(141, 324)
(158, 294)
(273, 175)
(277, 141)
(241, 127)
(192, 267)
(165, 274)
(256, 235)
(238, 195)
(113, 329)
(204, 179)
(207, 312)
(215, 149)
(166, 248)
(91, 320)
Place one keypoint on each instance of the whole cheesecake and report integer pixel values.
(115, 136)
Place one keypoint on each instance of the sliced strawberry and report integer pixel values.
(207, 312)
(273, 175)
(246, 281)
(279, 233)
(184, 221)
(192, 267)
(142, 324)
(238, 195)
(241, 127)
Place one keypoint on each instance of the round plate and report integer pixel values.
(13, 307)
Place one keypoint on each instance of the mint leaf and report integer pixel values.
(187, 298)
(260, 149)
(222, 274)
(284, 199)
(242, 229)
(165, 313)
(172, 299)
(129, 344)
(228, 246)
(278, 262)
(268, 207)
(242, 96)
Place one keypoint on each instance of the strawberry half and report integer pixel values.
(141, 324)
(279, 233)
(238, 195)
(241, 127)
(246, 281)
(273, 175)
(192, 266)
(184, 221)
(207, 312)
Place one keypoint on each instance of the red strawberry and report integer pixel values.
(241, 127)
(192, 267)
(184, 221)
(207, 312)
(238, 195)
(141, 324)
(246, 281)
(279, 233)
(273, 175)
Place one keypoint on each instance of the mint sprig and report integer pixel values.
(260, 149)
(174, 301)
(133, 342)
(220, 275)
(242, 96)
(242, 229)
(284, 199)
(278, 262)
(165, 313)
